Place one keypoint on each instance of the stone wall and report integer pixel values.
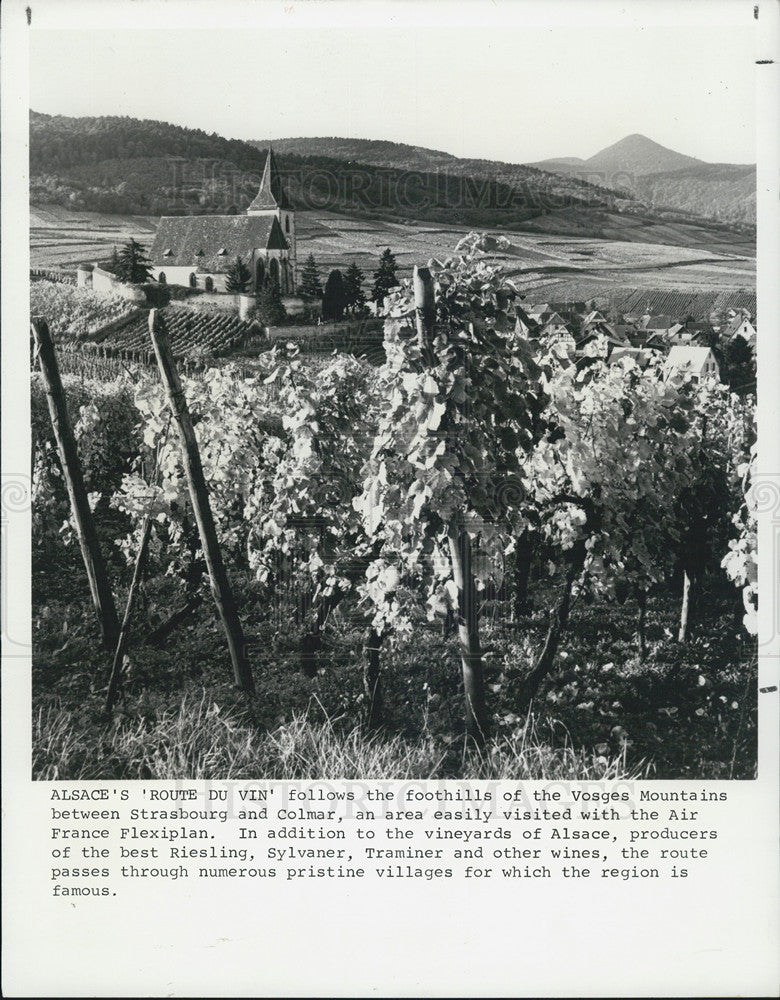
(104, 281)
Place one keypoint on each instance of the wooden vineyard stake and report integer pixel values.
(468, 634)
(424, 308)
(460, 551)
(102, 597)
(140, 562)
(196, 483)
(138, 571)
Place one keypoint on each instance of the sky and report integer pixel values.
(512, 90)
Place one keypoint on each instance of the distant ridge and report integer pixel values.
(663, 178)
(724, 192)
(126, 166)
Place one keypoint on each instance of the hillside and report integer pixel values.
(723, 191)
(547, 185)
(663, 179)
(636, 172)
(127, 166)
(124, 166)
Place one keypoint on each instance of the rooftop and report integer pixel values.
(210, 243)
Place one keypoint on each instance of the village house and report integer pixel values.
(552, 328)
(698, 332)
(605, 335)
(698, 362)
(525, 326)
(198, 250)
(739, 325)
(666, 326)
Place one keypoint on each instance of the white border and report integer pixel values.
(700, 939)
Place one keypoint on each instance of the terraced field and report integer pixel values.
(188, 329)
(75, 312)
(60, 238)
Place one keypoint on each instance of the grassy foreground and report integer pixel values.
(683, 711)
(202, 741)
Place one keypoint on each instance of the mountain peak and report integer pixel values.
(637, 154)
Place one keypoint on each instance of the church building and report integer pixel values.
(198, 250)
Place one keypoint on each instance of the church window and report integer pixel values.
(193, 281)
(161, 278)
(209, 285)
(287, 224)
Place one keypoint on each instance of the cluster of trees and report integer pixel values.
(343, 294)
(410, 490)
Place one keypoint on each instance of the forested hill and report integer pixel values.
(638, 173)
(665, 179)
(125, 165)
(128, 166)
(401, 156)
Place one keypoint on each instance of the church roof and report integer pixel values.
(271, 194)
(210, 243)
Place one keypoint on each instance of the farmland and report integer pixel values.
(557, 268)
(188, 330)
(63, 238)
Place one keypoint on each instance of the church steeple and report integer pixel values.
(271, 196)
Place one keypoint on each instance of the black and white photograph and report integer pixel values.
(390, 501)
(393, 424)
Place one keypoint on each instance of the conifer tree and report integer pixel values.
(310, 279)
(238, 277)
(384, 277)
(132, 264)
(334, 296)
(737, 365)
(269, 302)
(355, 300)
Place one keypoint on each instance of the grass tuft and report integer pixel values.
(203, 741)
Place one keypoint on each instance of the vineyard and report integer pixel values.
(75, 313)
(635, 301)
(476, 559)
(210, 332)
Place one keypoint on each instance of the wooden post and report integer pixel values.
(102, 597)
(424, 307)
(140, 562)
(372, 678)
(196, 482)
(468, 634)
(682, 635)
(460, 551)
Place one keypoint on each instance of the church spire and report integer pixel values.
(271, 195)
